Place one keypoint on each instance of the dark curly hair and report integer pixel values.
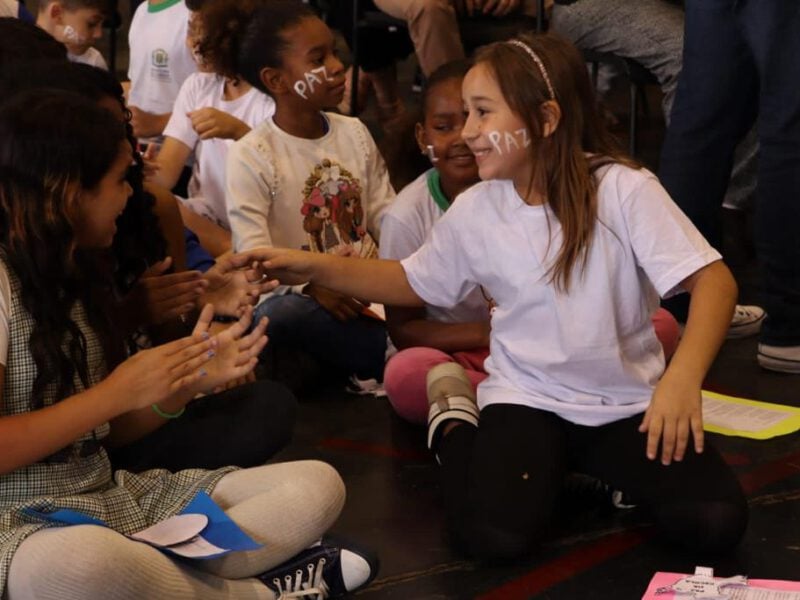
(138, 242)
(222, 25)
(241, 37)
(52, 145)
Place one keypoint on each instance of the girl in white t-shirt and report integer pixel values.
(574, 243)
(310, 179)
(429, 336)
(214, 108)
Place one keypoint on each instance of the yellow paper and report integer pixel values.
(729, 415)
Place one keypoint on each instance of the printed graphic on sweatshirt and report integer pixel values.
(333, 213)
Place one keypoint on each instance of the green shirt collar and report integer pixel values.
(435, 189)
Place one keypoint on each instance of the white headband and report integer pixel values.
(539, 64)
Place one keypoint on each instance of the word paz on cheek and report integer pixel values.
(509, 139)
(72, 36)
(312, 78)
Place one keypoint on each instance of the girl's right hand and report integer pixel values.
(156, 374)
(290, 267)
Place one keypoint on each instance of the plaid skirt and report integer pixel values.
(127, 502)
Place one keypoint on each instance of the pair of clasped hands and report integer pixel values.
(215, 356)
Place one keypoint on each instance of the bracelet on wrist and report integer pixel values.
(165, 415)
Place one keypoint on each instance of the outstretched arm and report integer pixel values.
(375, 280)
(676, 408)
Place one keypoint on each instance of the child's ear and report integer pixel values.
(551, 113)
(274, 81)
(55, 12)
(419, 134)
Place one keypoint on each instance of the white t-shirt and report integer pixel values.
(91, 57)
(326, 195)
(159, 59)
(590, 356)
(406, 226)
(206, 90)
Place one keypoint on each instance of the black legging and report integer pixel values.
(243, 426)
(501, 481)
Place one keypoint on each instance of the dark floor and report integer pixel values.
(394, 506)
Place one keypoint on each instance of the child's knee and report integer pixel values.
(47, 564)
(495, 543)
(712, 527)
(404, 381)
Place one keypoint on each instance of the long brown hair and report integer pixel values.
(52, 145)
(565, 160)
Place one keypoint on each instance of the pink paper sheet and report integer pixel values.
(663, 579)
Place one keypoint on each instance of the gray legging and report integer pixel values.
(286, 507)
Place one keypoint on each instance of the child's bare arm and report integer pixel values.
(408, 327)
(676, 408)
(158, 375)
(381, 281)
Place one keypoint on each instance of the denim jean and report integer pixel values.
(355, 347)
(741, 65)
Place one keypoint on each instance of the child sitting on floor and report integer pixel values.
(306, 178)
(434, 335)
(574, 243)
(63, 162)
(214, 108)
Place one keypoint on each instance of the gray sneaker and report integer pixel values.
(784, 359)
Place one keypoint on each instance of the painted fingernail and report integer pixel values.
(203, 372)
(205, 335)
(211, 354)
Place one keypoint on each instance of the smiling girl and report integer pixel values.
(574, 244)
(436, 335)
(63, 184)
(306, 178)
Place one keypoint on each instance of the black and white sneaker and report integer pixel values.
(329, 569)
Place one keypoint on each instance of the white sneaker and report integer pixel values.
(784, 359)
(746, 321)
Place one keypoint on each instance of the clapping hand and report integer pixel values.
(165, 296)
(235, 354)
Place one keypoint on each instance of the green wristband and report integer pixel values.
(166, 415)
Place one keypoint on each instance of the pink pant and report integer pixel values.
(404, 377)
